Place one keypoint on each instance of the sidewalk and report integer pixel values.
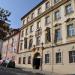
(39, 71)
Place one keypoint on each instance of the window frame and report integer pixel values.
(59, 58)
(25, 43)
(70, 35)
(47, 5)
(47, 58)
(56, 13)
(47, 37)
(72, 57)
(46, 20)
(71, 11)
(56, 38)
(24, 60)
(29, 59)
(39, 10)
(19, 60)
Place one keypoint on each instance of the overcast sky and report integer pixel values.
(18, 8)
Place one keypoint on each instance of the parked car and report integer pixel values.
(11, 64)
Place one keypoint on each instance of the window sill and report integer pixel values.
(57, 19)
(47, 63)
(70, 38)
(59, 64)
(72, 63)
(47, 24)
(68, 14)
(58, 42)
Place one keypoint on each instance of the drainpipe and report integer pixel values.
(52, 43)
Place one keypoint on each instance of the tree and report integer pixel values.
(4, 14)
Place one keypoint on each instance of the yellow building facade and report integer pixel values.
(47, 37)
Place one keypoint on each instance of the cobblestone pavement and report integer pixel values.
(11, 71)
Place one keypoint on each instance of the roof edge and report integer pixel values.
(40, 3)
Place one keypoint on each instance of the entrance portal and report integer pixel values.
(36, 61)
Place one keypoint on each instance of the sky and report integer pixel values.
(18, 8)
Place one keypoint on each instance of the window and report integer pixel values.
(19, 60)
(58, 36)
(23, 22)
(46, 58)
(71, 56)
(57, 15)
(30, 43)
(25, 43)
(29, 60)
(47, 5)
(68, 9)
(39, 10)
(22, 33)
(47, 20)
(32, 15)
(71, 30)
(27, 31)
(58, 57)
(38, 40)
(47, 36)
(56, 1)
(38, 24)
(28, 19)
(21, 44)
(31, 28)
(24, 60)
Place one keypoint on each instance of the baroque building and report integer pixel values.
(47, 37)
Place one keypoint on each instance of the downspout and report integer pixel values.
(52, 44)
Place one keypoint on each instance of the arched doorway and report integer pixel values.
(36, 61)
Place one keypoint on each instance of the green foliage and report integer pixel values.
(4, 14)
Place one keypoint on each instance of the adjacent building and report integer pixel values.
(10, 45)
(47, 37)
(4, 28)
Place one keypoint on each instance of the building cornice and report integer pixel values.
(11, 36)
(45, 12)
(34, 9)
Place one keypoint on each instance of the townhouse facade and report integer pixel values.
(47, 37)
(10, 45)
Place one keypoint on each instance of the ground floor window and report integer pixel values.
(29, 60)
(19, 60)
(71, 56)
(24, 60)
(58, 57)
(47, 58)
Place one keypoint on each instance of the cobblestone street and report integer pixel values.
(10, 71)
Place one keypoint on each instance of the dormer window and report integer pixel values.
(47, 5)
(56, 1)
(39, 10)
(32, 16)
(28, 19)
(23, 22)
